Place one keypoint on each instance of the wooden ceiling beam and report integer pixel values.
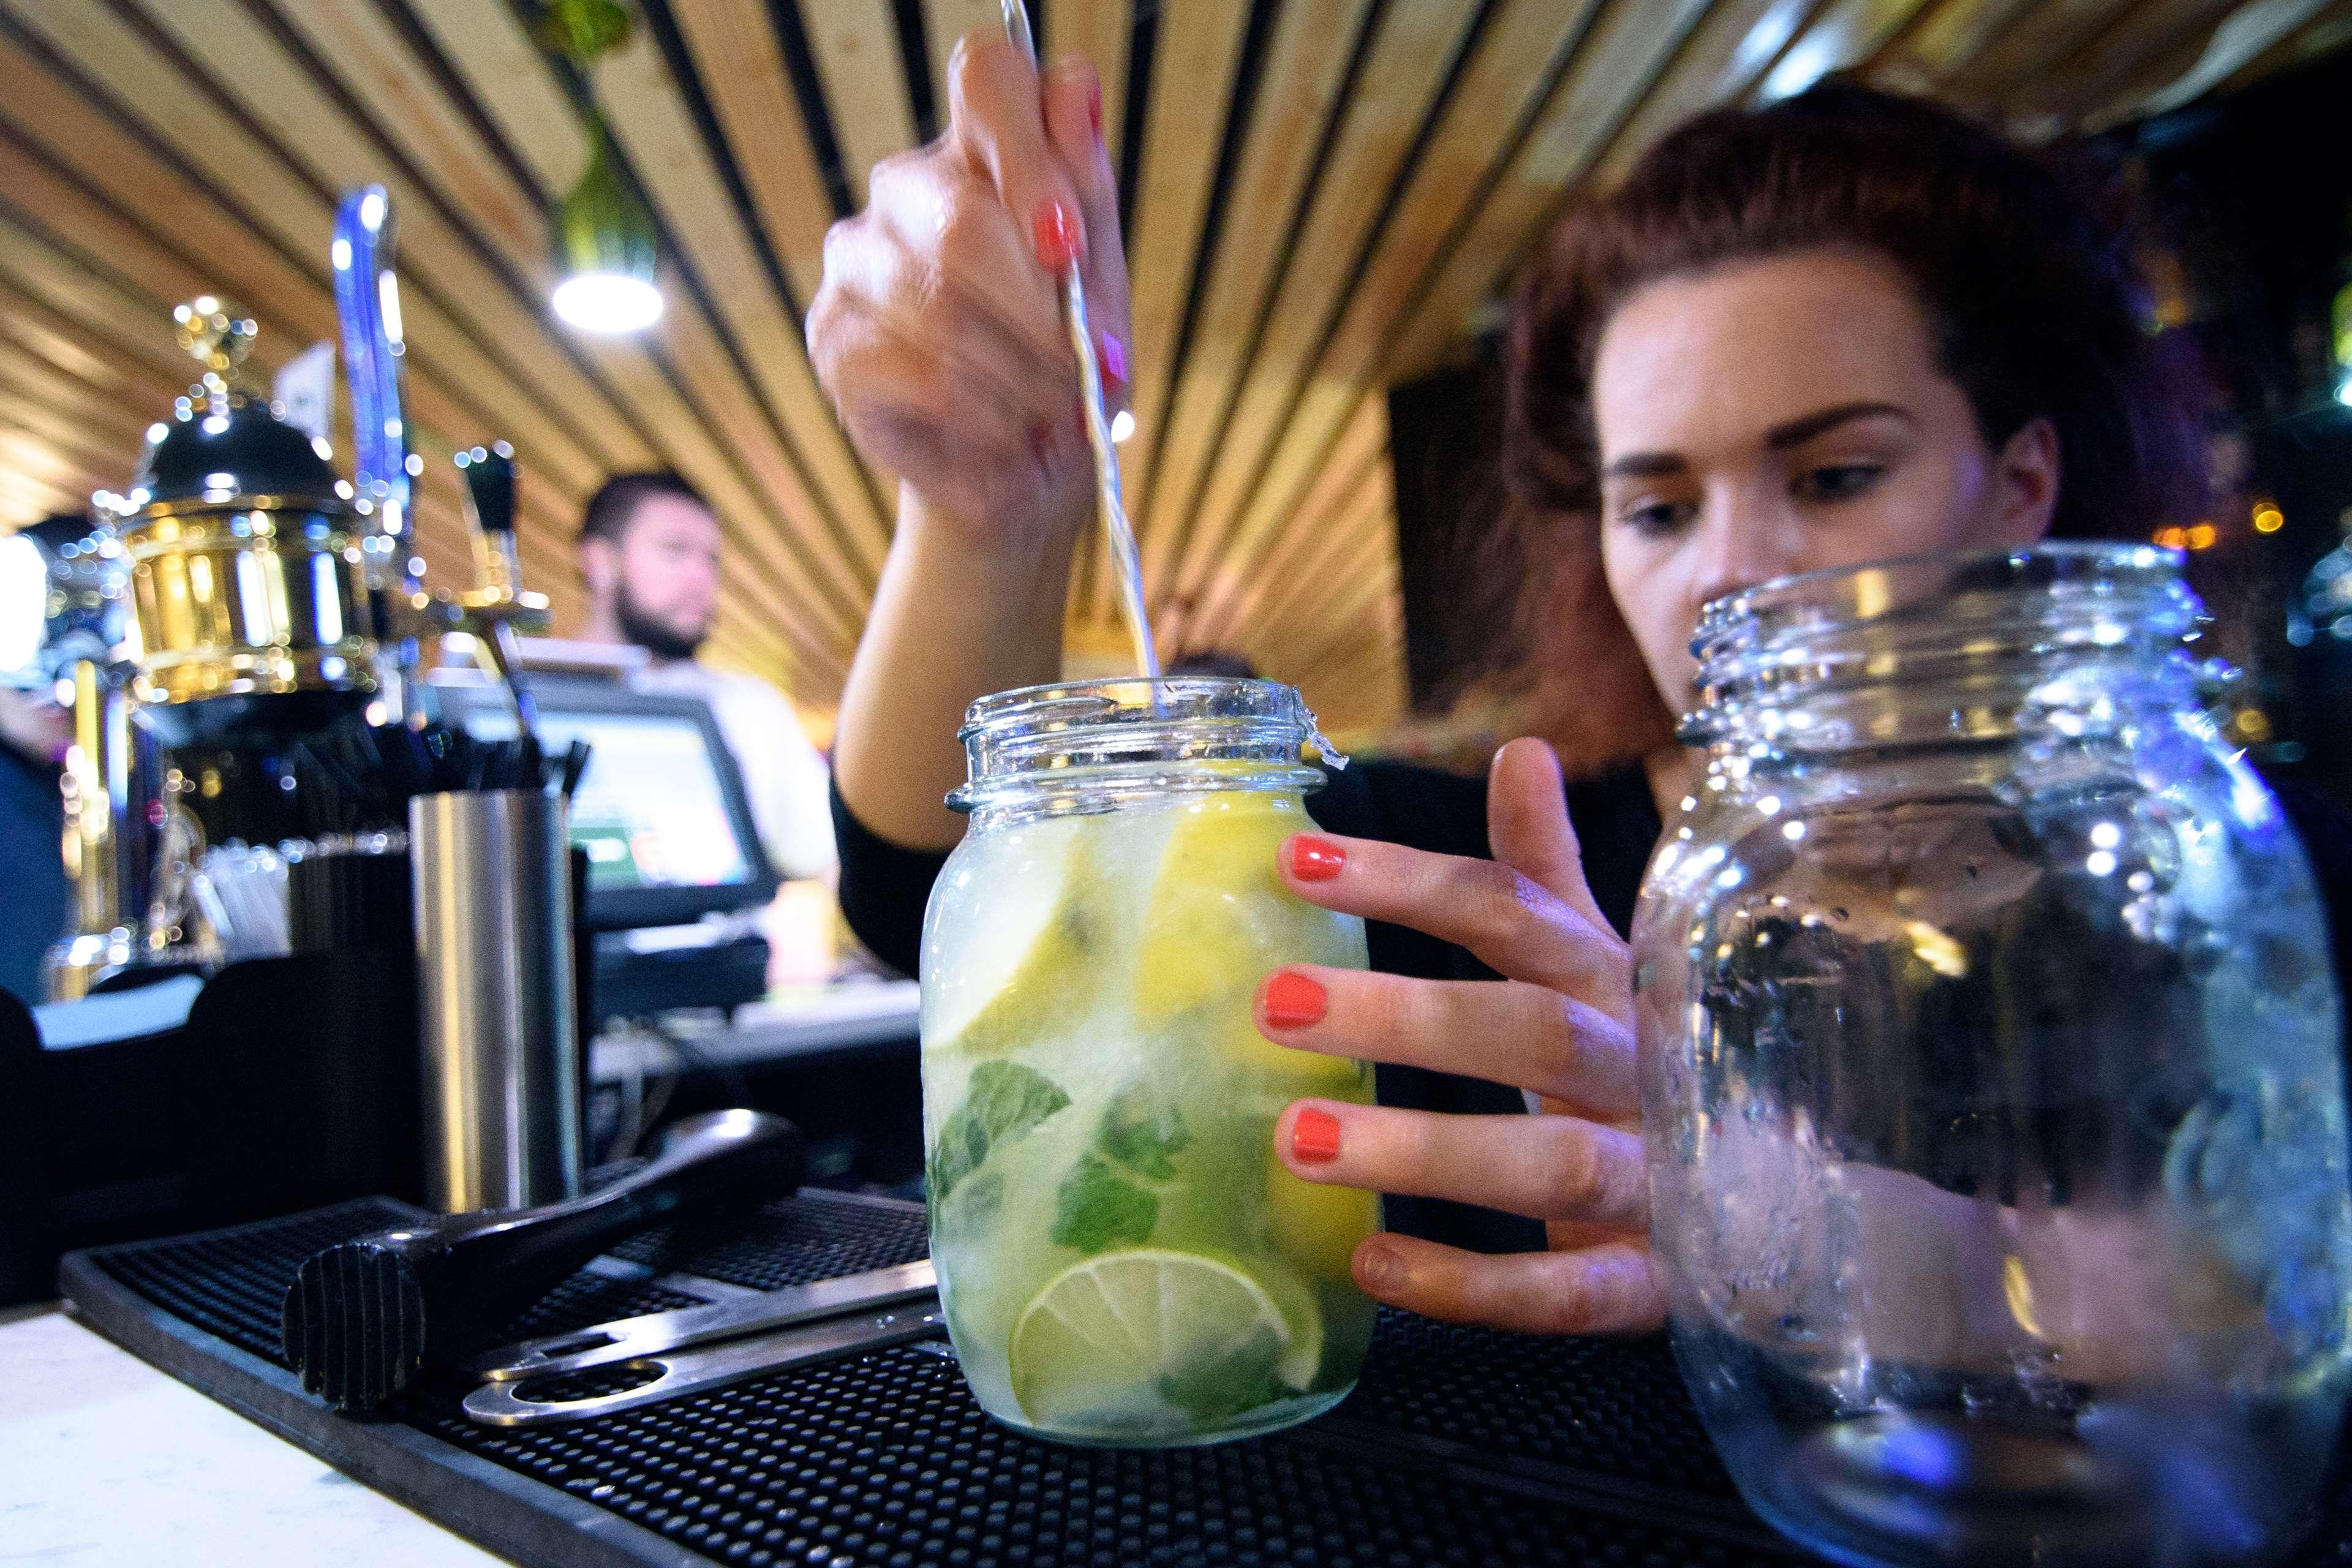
(2142, 48)
(1193, 66)
(1357, 538)
(75, 282)
(507, 75)
(1393, 94)
(1585, 112)
(738, 59)
(1723, 58)
(1362, 683)
(1503, 85)
(2031, 42)
(105, 446)
(1306, 64)
(1380, 608)
(76, 288)
(1940, 41)
(648, 116)
(81, 281)
(717, 432)
(148, 90)
(1234, 595)
(854, 45)
(1848, 33)
(2319, 32)
(278, 94)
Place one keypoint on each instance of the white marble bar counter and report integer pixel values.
(106, 1461)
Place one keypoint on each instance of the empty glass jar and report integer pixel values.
(1992, 1076)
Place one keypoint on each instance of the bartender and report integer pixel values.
(650, 553)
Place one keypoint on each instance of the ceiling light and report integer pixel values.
(607, 302)
(607, 248)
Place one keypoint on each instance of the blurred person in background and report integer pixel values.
(34, 734)
(651, 555)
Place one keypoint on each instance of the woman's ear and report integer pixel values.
(2026, 482)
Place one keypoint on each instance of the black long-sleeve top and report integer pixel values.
(885, 887)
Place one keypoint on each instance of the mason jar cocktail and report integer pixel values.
(1123, 1257)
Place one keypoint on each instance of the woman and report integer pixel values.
(1844, 328)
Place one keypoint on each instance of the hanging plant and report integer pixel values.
(581, 31)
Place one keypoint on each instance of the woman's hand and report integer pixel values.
(1559, 1026)
(937, 330)
(939, 333)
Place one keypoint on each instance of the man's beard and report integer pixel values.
(656, 637)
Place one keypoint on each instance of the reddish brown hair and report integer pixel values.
(2028, 292)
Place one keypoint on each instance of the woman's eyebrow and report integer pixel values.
(1797, 432)
(1646, 466)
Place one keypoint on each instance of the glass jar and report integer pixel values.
(1991, 1076)
(1123, 1257)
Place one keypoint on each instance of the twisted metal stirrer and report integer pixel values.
(1106, 488)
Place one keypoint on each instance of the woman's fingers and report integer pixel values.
(974, 274)
(1545, 1167)
(1074, 127)
(1610, 1288)
(1511, 922)
(998, 120)
(1507, 1032)
(1527, 826)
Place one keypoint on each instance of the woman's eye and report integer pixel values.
(1837, 481)
(1655, 519)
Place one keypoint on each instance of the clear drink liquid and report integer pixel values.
(1123, 1258)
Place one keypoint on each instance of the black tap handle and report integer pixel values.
(363, 1320)
(489, 474)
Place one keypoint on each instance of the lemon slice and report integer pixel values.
(1220, 919)
(1031, 961)
(1319, 1227)
(1121, 1340)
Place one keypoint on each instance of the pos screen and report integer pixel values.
(660, 811)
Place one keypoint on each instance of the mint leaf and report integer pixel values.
(1144, 1137)
(973, 1205)
(1216, 1391)
(1099, 1208)
(1006, 1101)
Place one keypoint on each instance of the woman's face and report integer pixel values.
(1782, 415)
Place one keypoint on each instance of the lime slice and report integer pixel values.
(1118, 1338)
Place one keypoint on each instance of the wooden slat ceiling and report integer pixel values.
(1324, 197)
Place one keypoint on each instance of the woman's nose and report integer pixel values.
(1742, 545)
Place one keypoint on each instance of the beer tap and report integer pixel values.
(498, 606)
(367, 300)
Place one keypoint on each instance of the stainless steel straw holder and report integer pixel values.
(491, 870)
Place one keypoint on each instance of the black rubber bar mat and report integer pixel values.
(1461, 1446)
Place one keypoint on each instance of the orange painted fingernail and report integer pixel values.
(1314, 859)
(1293, 1001)
(1057, 236)
(1315, 1136)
